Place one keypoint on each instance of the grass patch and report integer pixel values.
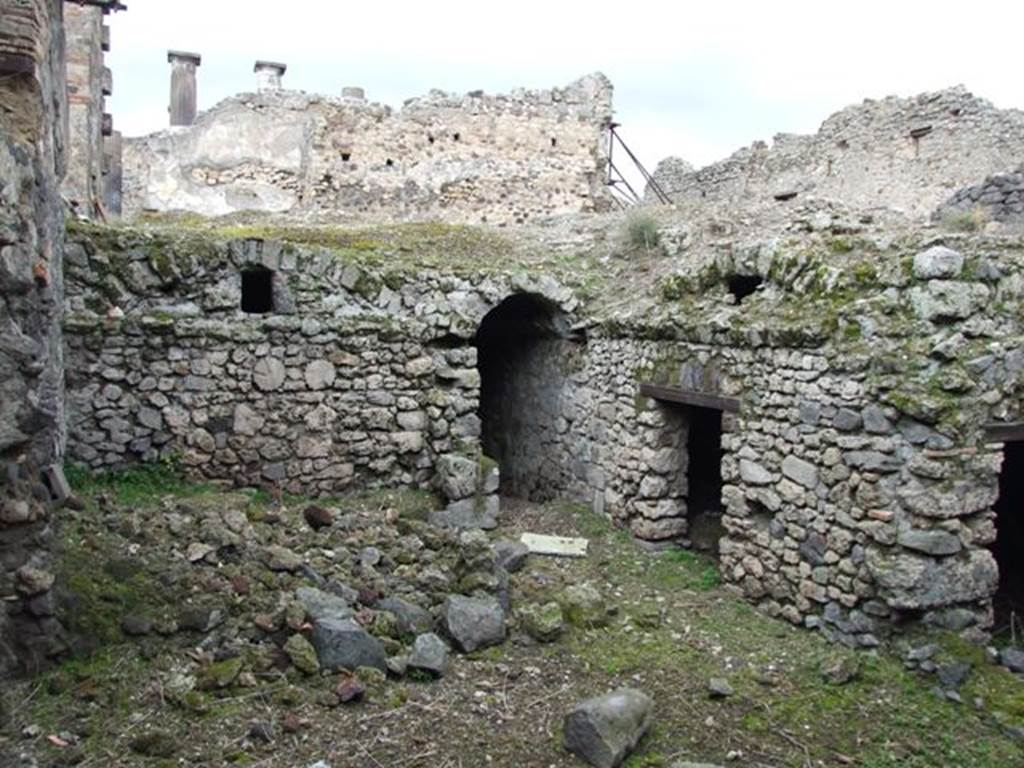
(95, 690)
(138, 485)
(100, 589)
(682, 569)
(590, 524)
(642, 231)
(611, 653)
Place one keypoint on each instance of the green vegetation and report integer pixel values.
(682, 569)
(175, 246)
(783, 709)
(642, 231)
(672, 628)
(136, 485)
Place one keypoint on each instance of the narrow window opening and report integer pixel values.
(258, 291)
(456, 136)
(1009, 543)
(554, 142)
(389, 162)
(346, 156)
(704, 478)
(430, 139)
(742, 286)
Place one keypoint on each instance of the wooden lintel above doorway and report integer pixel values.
(1004, 432)
(668, 394)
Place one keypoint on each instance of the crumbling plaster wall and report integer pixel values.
(474, 158)
(32, 151)
(909, 154)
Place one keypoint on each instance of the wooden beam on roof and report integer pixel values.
(689, 397)
(1004, 432)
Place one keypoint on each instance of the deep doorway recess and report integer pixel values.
(257, 291)
(704, 478)
(521, 345)
(742, 286)
(1009, 546)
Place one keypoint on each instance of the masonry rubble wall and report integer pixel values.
(833, 501)
(859, 478)
(474, 158)
(858, 484)
(83, 182)
(999, 198)
(353, 381)
(33, 145)
(910, 154)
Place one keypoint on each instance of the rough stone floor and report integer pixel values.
(188, 594)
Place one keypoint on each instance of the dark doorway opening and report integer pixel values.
(258, 291)
(521, 384)
(704, 478)
(742, 286)
(1009, 545)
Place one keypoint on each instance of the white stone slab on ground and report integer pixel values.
(559, 546)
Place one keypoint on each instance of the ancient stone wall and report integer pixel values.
(474, 158)
(83, 27)
(94, 148)
(32, 150)
(998, 198)
(525, 424)
(859, 478)
(833, 502)
(908, 154)
(311, 407)
(858, 481)
(357, 378)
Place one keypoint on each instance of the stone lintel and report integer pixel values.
(274, 66)
(174, 57)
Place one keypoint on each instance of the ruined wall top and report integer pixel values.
(909, 154)
(468, 158)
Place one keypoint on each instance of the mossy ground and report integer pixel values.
(674, 627)
(393, 251)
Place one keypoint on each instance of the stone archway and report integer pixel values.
(521, 346)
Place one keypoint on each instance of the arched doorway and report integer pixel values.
(521, 347)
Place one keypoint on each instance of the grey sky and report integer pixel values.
(698, 80)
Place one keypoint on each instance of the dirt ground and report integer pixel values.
(672, 628)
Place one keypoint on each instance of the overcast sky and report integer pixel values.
(697, 80)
